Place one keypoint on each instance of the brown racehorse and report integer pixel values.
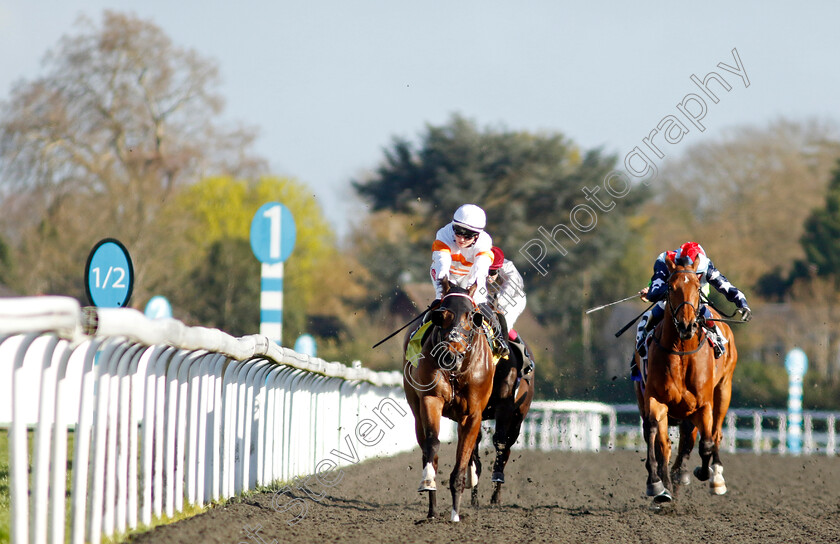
(684, 382)
(508, 406)
(453, 377)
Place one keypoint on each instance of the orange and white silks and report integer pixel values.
(463, 266)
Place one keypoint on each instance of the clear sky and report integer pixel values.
(329, 83)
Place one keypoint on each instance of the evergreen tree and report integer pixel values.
(528, 184)
(821, 240)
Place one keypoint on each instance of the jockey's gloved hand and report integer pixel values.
(746, 313)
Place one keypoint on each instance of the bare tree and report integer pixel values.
(745, 197)
(97, 146)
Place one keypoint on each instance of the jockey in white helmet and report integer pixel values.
(462, 252)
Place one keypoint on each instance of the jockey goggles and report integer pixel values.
(464, 233)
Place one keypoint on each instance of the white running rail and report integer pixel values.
(164, 416)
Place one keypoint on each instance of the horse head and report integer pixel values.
(684, 296)
(458, 319)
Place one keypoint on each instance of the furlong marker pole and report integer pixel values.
(271, 302)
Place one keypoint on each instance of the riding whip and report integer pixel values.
(424, 312)
(627, 326)
(595, 309)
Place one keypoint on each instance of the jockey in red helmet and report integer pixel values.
(506, 294)
(657, 291)
(506, 288)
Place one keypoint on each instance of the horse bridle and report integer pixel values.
(695, 309)
(459, 330)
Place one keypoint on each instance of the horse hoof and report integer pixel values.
(663, 497)
(454, 518)
(427, 485)
(656, 489)
(701, 474)
(498, 477)
(683, 478)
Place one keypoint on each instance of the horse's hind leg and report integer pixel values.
(504, 424)
(680, 474)
(503, 454)
(723, 394)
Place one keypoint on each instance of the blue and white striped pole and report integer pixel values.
(271, 302)
(273, 235)
(796, 364)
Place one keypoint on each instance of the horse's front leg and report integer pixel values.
(467, 434)
(658, 451)
(430, 414)
(688, 435)
(474, 473)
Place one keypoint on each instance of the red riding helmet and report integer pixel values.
(691, 250)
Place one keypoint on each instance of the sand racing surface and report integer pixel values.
(548, 497)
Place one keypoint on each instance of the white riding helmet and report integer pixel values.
(471, 217)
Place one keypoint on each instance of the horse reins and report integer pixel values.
(674, 352)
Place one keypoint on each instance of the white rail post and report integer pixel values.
(66, 388)
(126, 447)
(756, 446)
(43, 437)
(229, 408)
(83, 446)
(106, 368)
(215, 422)
(18, 447)
(160, 465)
(171, 470)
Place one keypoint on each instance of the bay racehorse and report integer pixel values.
(452, 377)
(509, 404)
(684, 382)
